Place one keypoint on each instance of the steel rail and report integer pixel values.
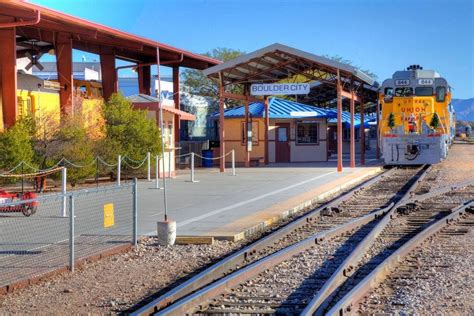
(224, 266)
(232, 280)
(439, 191)
(347, 303)
(320, 302)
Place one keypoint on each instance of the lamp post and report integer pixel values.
(166, 229)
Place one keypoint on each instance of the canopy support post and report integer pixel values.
(339, 122)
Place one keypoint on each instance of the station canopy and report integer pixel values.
(280, 63)
(37, 29)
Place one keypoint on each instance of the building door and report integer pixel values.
(332, 139)
(282, 147)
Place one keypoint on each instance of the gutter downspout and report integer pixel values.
(36, 20)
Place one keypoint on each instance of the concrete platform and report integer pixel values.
(228, 207)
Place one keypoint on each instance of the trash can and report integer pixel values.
(207, 163)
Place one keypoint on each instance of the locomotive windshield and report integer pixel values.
(403, 92)
(424, 91)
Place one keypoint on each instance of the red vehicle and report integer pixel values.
(27, 209)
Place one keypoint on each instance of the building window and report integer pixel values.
(254, 133)
(346, 133)
(307, 133)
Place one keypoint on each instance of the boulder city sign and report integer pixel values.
(279, 88)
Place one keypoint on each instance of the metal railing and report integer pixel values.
(35, 238)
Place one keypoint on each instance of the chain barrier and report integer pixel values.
(213, 158)
(133, 167)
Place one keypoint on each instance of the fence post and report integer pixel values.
(148, 176)
(63, 191)
(135, 211)
(233, 162)
(119, 168)
(71, 233)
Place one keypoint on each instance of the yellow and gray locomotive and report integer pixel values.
(417, 121)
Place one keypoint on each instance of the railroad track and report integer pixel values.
(331, 262)
(436, 261)
(369, 199)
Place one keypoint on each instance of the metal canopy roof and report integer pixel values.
(279, 109)
(278, 62)
(146, 102)
(46, 25)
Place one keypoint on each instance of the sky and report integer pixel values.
(379, 35)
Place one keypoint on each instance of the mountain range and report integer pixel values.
(464, 109)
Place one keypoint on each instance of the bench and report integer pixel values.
(255, 161)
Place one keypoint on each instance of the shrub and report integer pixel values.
(16, 145)
(127, 131)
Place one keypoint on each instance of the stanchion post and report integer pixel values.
(71, 233)
(119, 169)
(148, 175)
(63, 191)
(135, 211)
(233, 162)
(192, 168)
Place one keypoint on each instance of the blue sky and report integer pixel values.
(380, 35)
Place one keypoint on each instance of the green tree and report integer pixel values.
(128, 131)
(16, 146)
(72, 143)
(199, 84)
(391, 121)
(434, 123)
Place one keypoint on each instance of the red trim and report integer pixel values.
(96, 27)
(154, 106)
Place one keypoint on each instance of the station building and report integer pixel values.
(297, 132)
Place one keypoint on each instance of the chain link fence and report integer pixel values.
(37, 236)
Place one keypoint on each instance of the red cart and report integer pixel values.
(28, 208)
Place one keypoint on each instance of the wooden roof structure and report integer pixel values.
(38, 27)
(331, 81)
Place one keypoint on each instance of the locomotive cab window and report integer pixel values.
(440, 94)
(404, 92)
(388, 94)
(424, 91)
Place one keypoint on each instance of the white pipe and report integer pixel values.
(169, 164)
(63, 191)
(148, 175)
(119, 169)
(233, 162)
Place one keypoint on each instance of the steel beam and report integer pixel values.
(362, 133)
(64, 65)
(8, 76)
(267, 126)
(378, 131)
(109, 76)
(339, 122)
(352, 145)
(221, 123)
(144, 80)
(247, 152)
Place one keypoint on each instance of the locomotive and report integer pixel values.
(417, 123)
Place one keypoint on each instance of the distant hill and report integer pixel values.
(464, 109)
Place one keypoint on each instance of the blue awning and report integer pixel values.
(279, 109)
